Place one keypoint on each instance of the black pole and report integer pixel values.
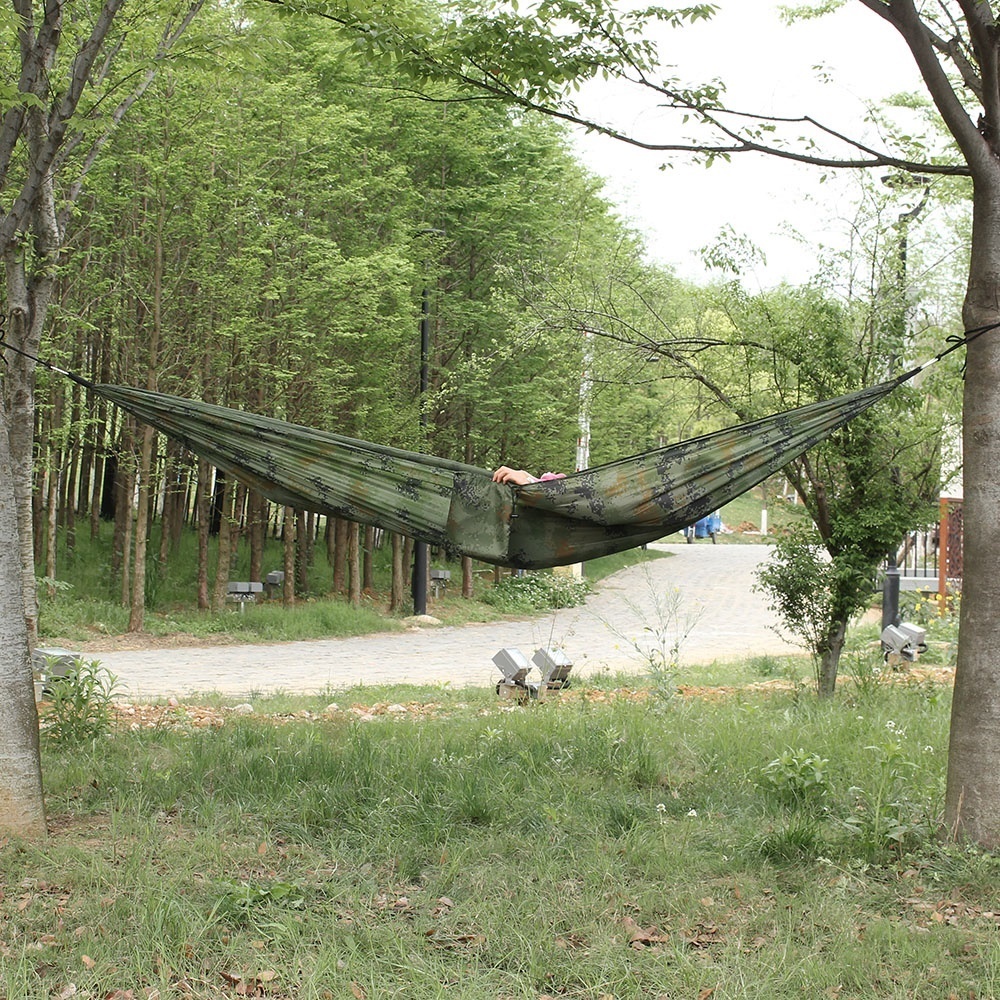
(890, 593)
(419, 584)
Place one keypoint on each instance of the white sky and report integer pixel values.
(767, 67)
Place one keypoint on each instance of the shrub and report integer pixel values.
(80, 704)
(536, 592)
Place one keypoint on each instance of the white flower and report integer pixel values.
(692, 812)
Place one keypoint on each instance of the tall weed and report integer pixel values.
(78, 704)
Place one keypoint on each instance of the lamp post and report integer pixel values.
(890, 588)
(418, 585)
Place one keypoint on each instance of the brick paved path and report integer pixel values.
(713, 585)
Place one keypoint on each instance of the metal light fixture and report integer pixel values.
(513, 665)
(905, 641)
(554, 666)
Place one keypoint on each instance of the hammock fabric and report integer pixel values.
(460, 509)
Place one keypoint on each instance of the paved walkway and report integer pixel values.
(703, 589)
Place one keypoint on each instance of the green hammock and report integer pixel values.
(460, 509)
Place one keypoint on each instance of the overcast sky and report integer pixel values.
(766, 66)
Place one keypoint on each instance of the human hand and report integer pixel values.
(513, 477)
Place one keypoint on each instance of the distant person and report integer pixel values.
(518, 477)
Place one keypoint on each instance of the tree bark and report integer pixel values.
(354, 562)
(972, 803)
(367, 561)
(22, 808)
(137, 607)
(288, 535)
(225, 541)
(256, 523)
(468, 578)
(829, 660)
(398, 592)
(340, 555)
(301, 551)
(203, 491)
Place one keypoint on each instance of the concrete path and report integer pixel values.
(702, 589)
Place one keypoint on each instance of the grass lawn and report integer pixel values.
(85, 609)
(420, 843)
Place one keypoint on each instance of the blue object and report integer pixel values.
(705, 527)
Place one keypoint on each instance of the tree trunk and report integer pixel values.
(288, 535)
(22, 808)
(256, 522)
(367, 561)
(972, 803)
(27, 304)
(52, 521)
(137, 608)
(398, 591)
(203, 492)
(829, 660)
(340, 555)
(301, 552)
(225, 543)
(123, 519)
(468, 577)
(354, 562)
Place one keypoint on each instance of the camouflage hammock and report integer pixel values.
(461, 510)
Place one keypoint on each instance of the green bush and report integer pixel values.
(797, 777)
(80, 703)
(536, 592)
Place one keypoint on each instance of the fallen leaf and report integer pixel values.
(359, 993)
(706, 992)
(643, 937)
(65, 992)
(87, 961)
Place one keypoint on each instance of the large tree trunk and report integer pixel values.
(22, 810)
(27, 302)
(972, 806)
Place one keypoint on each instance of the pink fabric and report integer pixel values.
(546, 476)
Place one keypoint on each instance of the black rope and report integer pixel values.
(960, 340)
(7, 345)
(955, 341)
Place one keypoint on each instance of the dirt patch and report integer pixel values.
(143, 640)
(178, 715)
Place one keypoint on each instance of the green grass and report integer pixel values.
(591, 847)
(86, 605)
